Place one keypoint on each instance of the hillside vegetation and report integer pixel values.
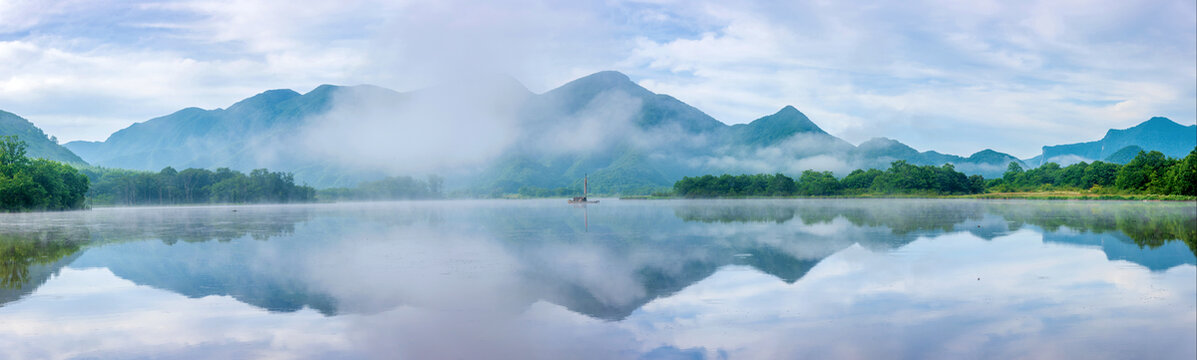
(37, 143)
(193, 186)
(1148, 173)
(37, 184)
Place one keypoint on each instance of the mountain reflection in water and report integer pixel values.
(505, 257)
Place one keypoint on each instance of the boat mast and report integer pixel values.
(585, 185)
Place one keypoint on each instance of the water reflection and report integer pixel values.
(18, 252)
(642, 278)
(27, 260)
(34, 246)
(1146, 224)
(1122, 229)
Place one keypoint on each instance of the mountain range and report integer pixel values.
(1121, 145)
(492, 136)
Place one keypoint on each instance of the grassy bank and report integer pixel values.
(1030, 195)
(1078, 195)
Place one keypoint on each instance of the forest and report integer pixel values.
(201, 186)
(28, 184)
(389, 188)
(1148, 173)
(37, 184)
(193, 186)
(900, 178)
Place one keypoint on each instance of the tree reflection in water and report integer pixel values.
(656, 249)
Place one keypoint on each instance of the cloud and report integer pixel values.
(925, 73)
(154, 322)
(606, 120)
(793, 155)
(89, 94)
(934, 74)
(17, 15)
(429, 131)
(420, 279)
(1065, 160)
(1012, 311)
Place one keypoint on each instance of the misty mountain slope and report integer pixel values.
(38, 144)
(654, 110)
(627, 138)
(773, 129)
(932, 157)
(510, 174)
(633, 172)
(255, 132)
(988, 163)
(885, 148)
(1158, 133)
(606, 126)
(989, 156)
(490, 135)
(1124, 155)
(880, 152)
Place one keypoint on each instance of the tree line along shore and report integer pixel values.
(28, 184)
(37, 184)
(1150, 175)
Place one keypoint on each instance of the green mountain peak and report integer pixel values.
(266, 99)
(1158, 133)
(38, 144)
(989, 156)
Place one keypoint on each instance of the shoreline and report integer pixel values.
(1057, 195)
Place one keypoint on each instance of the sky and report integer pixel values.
(950, 76)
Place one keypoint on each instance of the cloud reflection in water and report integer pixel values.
(742, 279)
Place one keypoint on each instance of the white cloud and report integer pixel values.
(937, 75)
(921, 74)
(143, 321)
(88, 95)
(1002, 306)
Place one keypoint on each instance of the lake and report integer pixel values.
(540, 279)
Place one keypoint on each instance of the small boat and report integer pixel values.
(585, 189)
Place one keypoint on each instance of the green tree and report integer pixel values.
(781, 185)
(1141, 171)
(818, 183)
(37, 184)
(1182, 176)
(1073, 176)
(1100, 173)
(1013, 175)
(859, 181)
(116, 186)
(1045, 174)
(12, 154)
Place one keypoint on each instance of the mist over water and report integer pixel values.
(627, 279)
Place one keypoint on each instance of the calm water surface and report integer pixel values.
(755, 279)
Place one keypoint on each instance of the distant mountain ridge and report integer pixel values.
(772, 129)
(987, 162)
(230, 137)
(1158, 133)
(626, 138)
(655, 140)
(38, 144)
(1125, 155)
